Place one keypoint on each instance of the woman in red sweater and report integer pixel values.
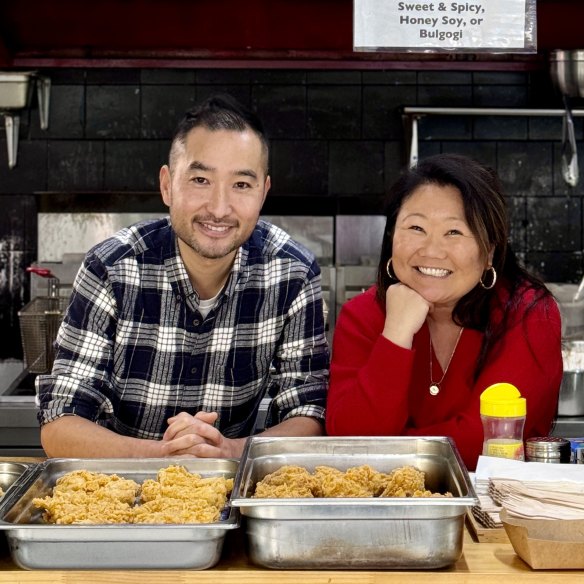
(452, 313)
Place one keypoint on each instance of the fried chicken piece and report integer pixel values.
(78, 507)
(214, 491)
(177, 475)
(84, 497)
(109, 486)
(287, 482)
(404, 482)
(181, 497)
(332, 482)
(372, 480)
(176, 511)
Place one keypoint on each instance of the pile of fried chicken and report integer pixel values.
(360, 481)
(176, 496)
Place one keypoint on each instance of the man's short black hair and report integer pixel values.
(219, 112)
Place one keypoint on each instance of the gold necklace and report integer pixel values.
(435, 385)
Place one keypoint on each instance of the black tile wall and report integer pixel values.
(337, 144)
(500, 128)
(113, 111)
(66, 114)
(282, 109)
(334, 111)
(499, 95)
(75, 165)
(299, 167)
(133, 165)
(162, 108)
(524, 168)
(381, 110)
(240, 92)
(554, 224)
(30, 173)
(356, 167)
(445, 95)
(556, 266)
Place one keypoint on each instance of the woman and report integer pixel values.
(452, 313)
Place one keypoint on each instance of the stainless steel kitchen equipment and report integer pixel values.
(567, 71)
(11, 472)
(550, 449)
(571, 309)
(355, 533)
(571, 400)
(19, 427)
(15, 94)
(40, 320)
(37, 545)
(351, 281)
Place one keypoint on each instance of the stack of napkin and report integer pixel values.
(533, 490)
(487, 511)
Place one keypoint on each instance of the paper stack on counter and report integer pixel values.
(533, 490)
(487, 511)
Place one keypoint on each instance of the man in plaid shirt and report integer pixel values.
(179, 327)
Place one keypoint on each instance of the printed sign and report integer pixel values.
(477, 25)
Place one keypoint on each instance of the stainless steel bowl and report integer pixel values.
(567, 72)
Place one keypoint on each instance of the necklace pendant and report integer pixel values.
(434, 389)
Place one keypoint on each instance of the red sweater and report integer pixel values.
(380, 389)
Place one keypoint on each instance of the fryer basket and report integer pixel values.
(39, 323)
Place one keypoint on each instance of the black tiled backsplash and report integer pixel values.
(356, 167)
(162, 107)
(381, 110)
(554, 224)
(282, 109)
(334, 112)
(301, 167)
(67, 117)
(337, 144)
(76, 165)
(113, 112)
(133, 165)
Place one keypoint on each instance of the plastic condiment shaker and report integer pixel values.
(503, 415)
(548, 449)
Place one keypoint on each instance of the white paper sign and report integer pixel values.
(487, 25)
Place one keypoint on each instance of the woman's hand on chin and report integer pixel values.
(405, 313)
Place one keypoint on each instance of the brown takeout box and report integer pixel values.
(547, 544)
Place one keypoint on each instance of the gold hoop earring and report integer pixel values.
(387, 269)
(494, 279)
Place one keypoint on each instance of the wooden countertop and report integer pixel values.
(482, 563)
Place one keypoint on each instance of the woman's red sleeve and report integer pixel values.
(370, 375)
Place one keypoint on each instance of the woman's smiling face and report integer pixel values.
(434, 250)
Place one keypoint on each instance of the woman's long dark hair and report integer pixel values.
(486, 213)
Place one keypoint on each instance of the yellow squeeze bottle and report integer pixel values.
(503, 416)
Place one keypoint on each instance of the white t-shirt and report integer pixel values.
(205, 306)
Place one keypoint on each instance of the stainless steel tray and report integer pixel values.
(368, 533)
(12, 473)
(37, 545)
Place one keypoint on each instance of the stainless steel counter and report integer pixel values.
(19, 428)
(566, 427)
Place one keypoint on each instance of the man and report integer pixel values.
(179, 327)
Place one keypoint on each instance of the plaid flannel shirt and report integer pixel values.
(133, 350)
